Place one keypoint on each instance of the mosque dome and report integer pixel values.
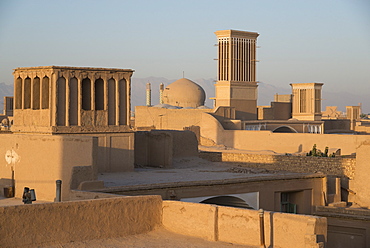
(184, 93)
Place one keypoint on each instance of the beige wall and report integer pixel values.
(157, 148)
(40, 160)
(277, 111)
(361, 182)
(88, 220)
(161, 118)
(58, 223)
(241, 226)
(278, 142)
(115, 151)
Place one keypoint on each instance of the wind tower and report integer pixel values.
(306, 104)
(236, 78)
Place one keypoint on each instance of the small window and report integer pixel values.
(286, 206)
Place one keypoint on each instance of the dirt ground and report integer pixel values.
(155, 239)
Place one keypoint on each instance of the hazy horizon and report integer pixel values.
(300, 41)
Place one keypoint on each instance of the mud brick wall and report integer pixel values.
(340, 166)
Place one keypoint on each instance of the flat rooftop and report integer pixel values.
(155, 239)
(193, 171)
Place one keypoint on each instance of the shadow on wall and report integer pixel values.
(157, 148)
(110, 159)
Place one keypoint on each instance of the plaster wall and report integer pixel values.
(241, 226)
(115, 151)
(297, 142)
(57, 223)
(157, 148)
(154, 149)
(337, 125)
(347, 227)
(40, 160)
(162, 118)
(363, 129)
(277, 111)
(361, 181)
(278, 142)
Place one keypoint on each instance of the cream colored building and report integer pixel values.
(59, 99)
(236, 85)
(307, 101)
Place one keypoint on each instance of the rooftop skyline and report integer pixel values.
(300, 41)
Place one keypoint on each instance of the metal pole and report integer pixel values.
(262, 227)
(58, 197)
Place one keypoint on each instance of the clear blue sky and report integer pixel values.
(301, 41)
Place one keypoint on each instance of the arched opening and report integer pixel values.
(36, 93)
(45, 93)
(86, 94)
(27, 93)
(73, 101)
(18, 93)
(122, 102)
(111, 102)
(284, 129)
(61, 101)
(229, 201)
(99, 94)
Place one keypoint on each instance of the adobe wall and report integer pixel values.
(337, 125)
(212, 133)
(57, 223)
(162, 118)
(361, 184)
(157, 148)
(346, 226)
(115, 151)
(241, 226)
(154, 149)
(291, 142)
(40, 160)
(340, 166)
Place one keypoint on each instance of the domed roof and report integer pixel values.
(184, 93)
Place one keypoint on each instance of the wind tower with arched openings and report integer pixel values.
(236, 85)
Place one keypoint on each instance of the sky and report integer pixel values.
(300, 41)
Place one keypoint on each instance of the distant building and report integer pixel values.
(307, 101)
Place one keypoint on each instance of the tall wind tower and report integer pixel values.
(236, 80)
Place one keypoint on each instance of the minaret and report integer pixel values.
(161, 89)
(236, 83)
(148, 95)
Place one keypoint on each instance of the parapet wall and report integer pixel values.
(242, 226)
(211, 131)
(64, 222)
(340, 166)
(58, 223)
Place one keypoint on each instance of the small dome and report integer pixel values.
(184, 93)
